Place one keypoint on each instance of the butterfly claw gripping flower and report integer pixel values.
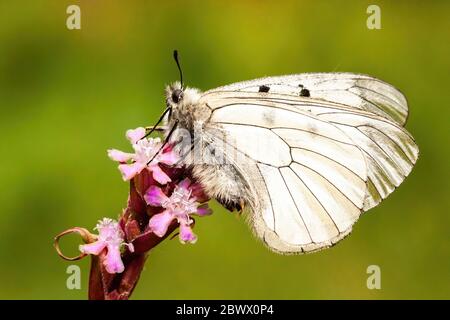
(179, 206)
(145, 156)
(110, 237)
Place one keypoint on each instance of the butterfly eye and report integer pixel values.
(177, 95)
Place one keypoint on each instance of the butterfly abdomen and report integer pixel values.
(223, 183)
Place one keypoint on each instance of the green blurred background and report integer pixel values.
(68, 95)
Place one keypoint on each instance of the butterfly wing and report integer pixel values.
(317, 164)
(357, 91)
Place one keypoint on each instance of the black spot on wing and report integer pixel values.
(304, 93)
(263, 88)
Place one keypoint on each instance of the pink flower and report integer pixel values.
(144, 151)
(179, 206)
(110, 237)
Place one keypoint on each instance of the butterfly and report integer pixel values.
(304, 154)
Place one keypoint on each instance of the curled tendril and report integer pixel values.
(85, 235)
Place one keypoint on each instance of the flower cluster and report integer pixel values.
(181, 204)
(149, 154)
(146, 156)
(163, 196)
(111, 237)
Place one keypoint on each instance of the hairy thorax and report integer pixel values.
(186, 108)
(189, 115)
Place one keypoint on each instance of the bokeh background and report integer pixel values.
(68, 95)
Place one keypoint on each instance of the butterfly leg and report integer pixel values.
(241, 206)
(157, 128)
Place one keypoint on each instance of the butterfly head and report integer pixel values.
(174, 94)
(178, 96)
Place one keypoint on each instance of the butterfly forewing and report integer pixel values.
(322, 159)
(353, 90)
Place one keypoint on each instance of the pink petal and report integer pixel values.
(159, 175)
(204, 210)
(113, 262)
(93, 248)
(169, 158)
(118, 155)
(134, 135)
(154, 196)
(130, 170)
(185, 183)
(160, 222)
(187, 235)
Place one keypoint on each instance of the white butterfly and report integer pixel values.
(306, 153)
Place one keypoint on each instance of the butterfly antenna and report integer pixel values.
(175, 56)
